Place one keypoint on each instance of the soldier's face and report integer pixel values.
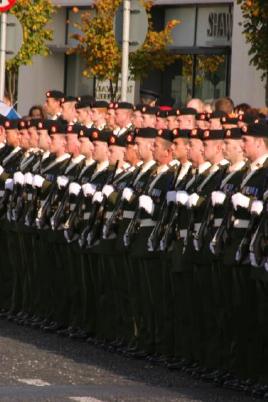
(144, 146)
(131, 154)
(232, 149)
(195, 151)
(98, 114)
(249, 146)
(160, 149)
(86, 147)
(148, 120)
(122, 117)
(116, 154)
(25, 139)
(137, 119)
(57, 142)
(84, 115)
(13, 137)
(44, 140)
(73, 144)
(179, 148)
(161, 123)
(51, 106)
(110, 118)
(203, 124)
(34, 138)
(187, 122)
(215, 124)
(172, 122)
(69, 111)
(100, 152)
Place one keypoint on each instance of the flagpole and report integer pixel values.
(3, 54)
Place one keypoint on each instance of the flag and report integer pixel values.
(8, 111)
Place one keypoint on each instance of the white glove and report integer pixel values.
(62, 181)
(9, 184)
(28, 178)
(146, 203)
(38, 181)
(256, 207)
(182, 197)
(74, 188)
(1, 169)
(192, 200)
(127, 194)
(217, 198)
(88, 189)
(171, 196)
(240, 200)
(18, 178)
(107, 190)
(97, 197)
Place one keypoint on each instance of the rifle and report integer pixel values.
(44, 211)
(17, 190)
(93, 214)
(55, 220)
(135, 221)
(110, 224)
(31, 212)
(221, 235)
(167, 213)
(69, 225)
(243, 248)
(95, 233)
(4, 201)
(198, 237)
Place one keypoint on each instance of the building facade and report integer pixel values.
(213, 57)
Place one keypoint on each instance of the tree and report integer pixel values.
(34, 16)
(96, 44)
(255, 29)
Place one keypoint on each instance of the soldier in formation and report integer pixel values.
(141, 228)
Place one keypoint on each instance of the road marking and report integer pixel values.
(84, 399)
(34, 381)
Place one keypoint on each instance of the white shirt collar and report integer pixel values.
(258, 162)
(62, 157)
(203, 167)
(146, 166)
(237, 166)
(89, 162)
(102, 166)
(78, 159)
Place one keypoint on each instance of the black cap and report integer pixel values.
(23, 124)
(34, 122)
(234, 133)
(149, 110)
(212, 135)
(230, 119)
(45, 124)
(138, 107)
(123, 105)
(196, 133)
(131, 138)
(248, 118)
(161, 113)
(69, 98)
(100, 105)
(165, 101)
(54, 93)
(84, 102)
(188, 111)
(111, 105)
(178, 133)
(148, 93)
(11, 124)
(57, 128)
(256, 129)
(147, 132)
(201, 116)
(86, 132)
(120, 141)
(165, 134)
(218, 114)
(173, 112)
(73, 129)
(97, 135)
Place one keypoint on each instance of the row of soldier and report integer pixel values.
(153, 240)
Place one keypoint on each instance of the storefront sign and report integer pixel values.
(102, 90)
(214, 26)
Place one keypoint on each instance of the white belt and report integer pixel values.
(197, 226)
(217, 222)
(147, 223)
(128, 214)
(183, 233)
(72, 207)
(2, 193)
(108, 214)
(29, 196)
(42, 203)
(241, 223)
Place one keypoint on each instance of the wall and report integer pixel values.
(246, 84)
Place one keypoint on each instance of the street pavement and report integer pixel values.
(35, 366)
